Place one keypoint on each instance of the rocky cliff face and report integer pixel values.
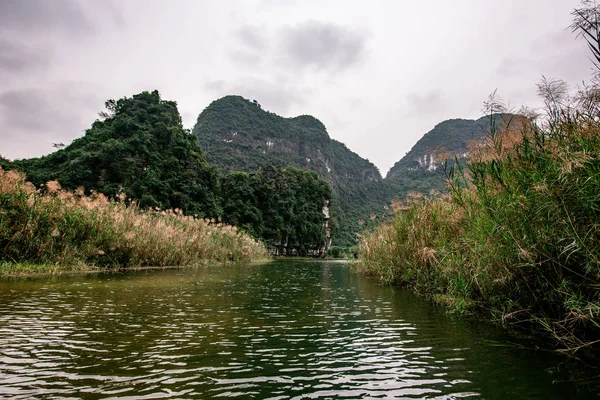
(446, 140)
(426, 162)
(422, 168)
(238, 135)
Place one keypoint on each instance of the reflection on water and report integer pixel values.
(285, 330)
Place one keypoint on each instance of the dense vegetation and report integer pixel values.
(4, 163)
(65, 230)
(140, 150)
(282, 206)
(238, 135)
(517, 236)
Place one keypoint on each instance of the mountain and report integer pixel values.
(236, 134)
(422, 168)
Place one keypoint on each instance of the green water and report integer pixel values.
(284, 330)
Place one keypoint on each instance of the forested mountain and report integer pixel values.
(238, 135)
(422, 169)
(139, 149)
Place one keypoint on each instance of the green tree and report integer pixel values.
(139, 149)
(284, 207)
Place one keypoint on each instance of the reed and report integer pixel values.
(517, 237)
(54, 227)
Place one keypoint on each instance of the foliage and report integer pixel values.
(4, 163)
(238, 135)
(139, 149)
(338, 252)
(284, 207)
(66, 228)
(586, 21)
(516, 237)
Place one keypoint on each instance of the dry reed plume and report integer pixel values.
(60, 227)
(517, 236)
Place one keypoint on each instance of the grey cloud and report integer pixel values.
(254, 45)
(246, 58)
(188, 118)
(312, 44)
(15, 57)
(269, 4)
(252, 37)
(565, 56)
(512, 65)
(24, 109)
(335, 123)
(28, 16)
(30, 30)
(215, 86)
(114, 13)
(355, 102)
(558, 54)
(274, 95)
(35, 118)
(322, 46)
(427, 103)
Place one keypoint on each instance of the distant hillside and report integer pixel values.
(238, 135)
(422, 168)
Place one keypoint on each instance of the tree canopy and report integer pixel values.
(140, 149)
(282, 206)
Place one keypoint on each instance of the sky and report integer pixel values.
(378, 74)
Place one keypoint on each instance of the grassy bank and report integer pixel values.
(518, 235)
(67, 230)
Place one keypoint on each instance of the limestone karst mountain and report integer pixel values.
(236, 134)
(422, 168)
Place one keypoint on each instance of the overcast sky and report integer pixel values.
(378, 74)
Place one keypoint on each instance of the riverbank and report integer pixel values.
(515, 239)
(27, 270)
(55, 229)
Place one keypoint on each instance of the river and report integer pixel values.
(281, 330)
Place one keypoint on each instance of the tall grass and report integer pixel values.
(59, 227)
(518, 234)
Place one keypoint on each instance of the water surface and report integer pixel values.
(283, 330)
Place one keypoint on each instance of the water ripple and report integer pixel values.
(288, 331)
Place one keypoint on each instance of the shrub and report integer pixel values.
(66, 228)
